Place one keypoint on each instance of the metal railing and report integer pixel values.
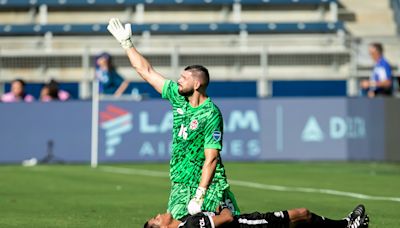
(261, 63)
(396, 10)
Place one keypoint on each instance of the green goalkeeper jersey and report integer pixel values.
(194, 129)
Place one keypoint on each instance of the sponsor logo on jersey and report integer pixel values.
(202, 223)
(194, 124)
(217, 135)
(179, 111)
(279, 214)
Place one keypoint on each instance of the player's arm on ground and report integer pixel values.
(137, 60)
(225, 217)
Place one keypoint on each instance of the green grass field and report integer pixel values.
(127, 194)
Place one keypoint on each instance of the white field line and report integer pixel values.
(151, 173)
(142, 172)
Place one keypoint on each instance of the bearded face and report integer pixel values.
(187, 92)
(186, 84)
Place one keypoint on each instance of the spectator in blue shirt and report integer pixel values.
(111, 83)
(380, 82)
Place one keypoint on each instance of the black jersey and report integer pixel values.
(278, 219)
(199, 220)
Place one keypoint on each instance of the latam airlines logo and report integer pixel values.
(116, 122)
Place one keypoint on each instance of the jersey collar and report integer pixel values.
(201, 105)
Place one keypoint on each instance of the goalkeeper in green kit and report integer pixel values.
(196, 171)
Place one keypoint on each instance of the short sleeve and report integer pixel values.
(214, 131)
(388, 70)
(170, 91)
(117, 79)
(383, 71)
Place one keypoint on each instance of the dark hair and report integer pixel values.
(109, 58)
(20, 81)
(146, 225)
(202, 70)
(53, 89)
(378, 47)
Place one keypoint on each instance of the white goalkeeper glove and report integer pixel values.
(123, 35)
(195, 204)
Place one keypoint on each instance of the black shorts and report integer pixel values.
(279, 219)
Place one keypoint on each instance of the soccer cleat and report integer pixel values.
(357, 218)
(365, 221)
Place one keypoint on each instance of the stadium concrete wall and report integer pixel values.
(309, 129)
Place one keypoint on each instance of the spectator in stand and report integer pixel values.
(17, 93)
(111, 83)
(380, 82)
(52, 92)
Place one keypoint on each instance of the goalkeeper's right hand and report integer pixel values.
(123, 35)
(195, 204)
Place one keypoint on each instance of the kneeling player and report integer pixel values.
(298, 218)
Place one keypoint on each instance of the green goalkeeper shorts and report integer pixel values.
(182, 194)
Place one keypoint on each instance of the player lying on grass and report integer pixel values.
(294, 218)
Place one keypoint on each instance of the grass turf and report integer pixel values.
(78, 196)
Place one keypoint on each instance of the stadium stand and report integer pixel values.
(54, 16)
(256, 40)
(116, 3)
(173, 28)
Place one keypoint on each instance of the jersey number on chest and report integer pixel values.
(183, 132)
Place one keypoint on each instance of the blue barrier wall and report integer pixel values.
(314, 88)
(215, 89)
(27, 127)
(223, 89)
(255, 130)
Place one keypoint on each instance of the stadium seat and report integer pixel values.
(174, 33)
(110, 3)
(173, 28)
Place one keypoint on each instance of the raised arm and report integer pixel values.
(124, 36)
